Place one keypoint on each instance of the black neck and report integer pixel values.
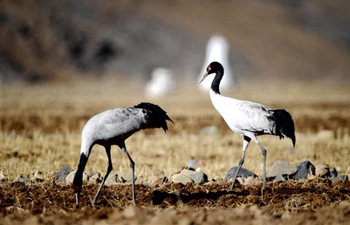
(216, 81)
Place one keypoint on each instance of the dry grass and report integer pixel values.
(41, 127)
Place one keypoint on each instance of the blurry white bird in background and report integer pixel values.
(162, 83)
(218, 49)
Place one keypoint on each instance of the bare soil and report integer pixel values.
(293, 202)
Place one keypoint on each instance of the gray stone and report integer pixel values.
(127, 178)
(279, 178)
(340, 177)
(242, 173)
(24, 179)
(180, 178)
(281, 167)
(112, 179)
(94, 178)
(240, 180)
(70, 177)
(304, 169)
(333, 172)
(61, 175)
(199, 178)
(187, 172)
(157, 176)
(251, 181)
(322, 171)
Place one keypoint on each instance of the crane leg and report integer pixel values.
(246, 141)
(132, 166)
(109, 169)
(264, 153)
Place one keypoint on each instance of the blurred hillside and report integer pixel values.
(43, 40)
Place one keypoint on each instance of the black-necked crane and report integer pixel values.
(248, 119)
(113, 127)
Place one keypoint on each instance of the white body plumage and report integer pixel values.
(243, 117)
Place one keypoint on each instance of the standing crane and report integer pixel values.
(113, 127)
(248, 119)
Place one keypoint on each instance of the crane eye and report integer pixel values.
(208, 68)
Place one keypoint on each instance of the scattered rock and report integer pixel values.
(281, 167)
(322, 171)
(279, 172)
(127, 178)
(23, 179)
(94, 178)
(196, 176)
(340, 177)
(187, 172)
(240, 180)
(279, 178)
(180, 178)
(157, 175)
(333, 172)
(304, 169)
(311, 177)
(242, 173)
(199, 178)
(160, 181)
(251, 180)
(112, 179)
(63, 173)
(70, 177)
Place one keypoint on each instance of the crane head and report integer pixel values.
(212, 68)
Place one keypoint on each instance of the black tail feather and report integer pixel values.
(284, 124)
(157, 116)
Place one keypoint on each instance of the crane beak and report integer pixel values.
(204, 76)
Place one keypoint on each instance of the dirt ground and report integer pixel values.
(294, 202)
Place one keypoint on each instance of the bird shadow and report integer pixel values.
(160, 197)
